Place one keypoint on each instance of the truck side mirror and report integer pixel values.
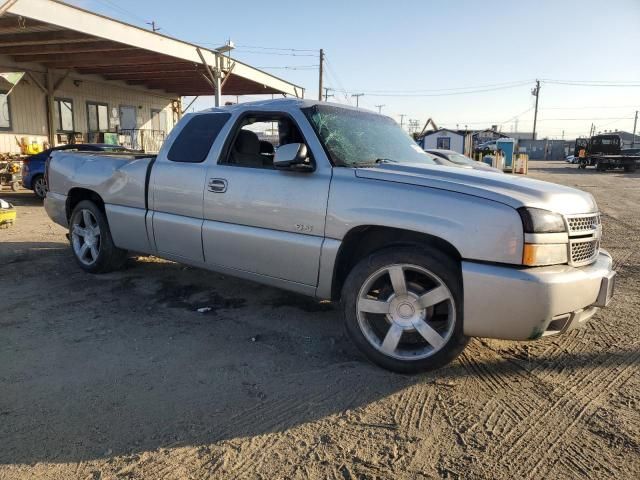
(293, 156)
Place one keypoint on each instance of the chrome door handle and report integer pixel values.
(217, 185)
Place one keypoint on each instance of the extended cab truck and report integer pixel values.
(342, 204)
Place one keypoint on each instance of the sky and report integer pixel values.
(461, 63)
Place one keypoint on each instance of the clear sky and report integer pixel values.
(412, 55)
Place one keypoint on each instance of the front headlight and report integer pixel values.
(545, 240)
(536, 220)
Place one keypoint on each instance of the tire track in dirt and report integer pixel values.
(271, 416)
(410, 407)
(581, 464)
(563, 415)
(497, 385)
(503, 414)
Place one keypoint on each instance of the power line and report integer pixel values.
(109, 3)
(128, 13)
(279, 54)
(277, 48)
(516, 116)
(467, 92)
(257, 47)
(585, 119)
(470, 87)
(593, 83)
(290, 67)
(588, 108)
(336, 79)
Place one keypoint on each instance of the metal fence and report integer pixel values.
(142, 139)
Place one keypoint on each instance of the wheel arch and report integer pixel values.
(77, 194)
(364, 240)
(32, 180)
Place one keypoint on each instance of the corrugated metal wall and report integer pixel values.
(28, 107)
(543, 149)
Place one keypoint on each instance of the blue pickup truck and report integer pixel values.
(33, 166)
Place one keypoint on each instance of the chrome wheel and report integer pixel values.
(406, 312)
(85, 237)
(40, 187)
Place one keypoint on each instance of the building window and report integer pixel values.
(63, 110)
(158, 120)
(5, 111)
(97, 117)
(443, 143)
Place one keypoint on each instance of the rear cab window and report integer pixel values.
(196, 138)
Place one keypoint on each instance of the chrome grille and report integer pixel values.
(584, 238)
(583, 223)
(583, 252)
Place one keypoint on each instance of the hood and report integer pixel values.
(486, 168)
(512, 190)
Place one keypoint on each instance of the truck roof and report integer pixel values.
(283, 103)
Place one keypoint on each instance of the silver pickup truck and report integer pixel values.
(341, 204)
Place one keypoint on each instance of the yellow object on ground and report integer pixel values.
(7, 216)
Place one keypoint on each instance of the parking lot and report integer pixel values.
(120, 375)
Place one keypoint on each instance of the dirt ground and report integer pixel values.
(119, 377)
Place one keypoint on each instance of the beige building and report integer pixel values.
(84, 77)
(84, 108)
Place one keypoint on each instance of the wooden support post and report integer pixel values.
(51, 127)
(212, 77)
(226, 76)
(37, 82)
(58, 83)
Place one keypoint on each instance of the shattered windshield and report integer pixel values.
(354, 138)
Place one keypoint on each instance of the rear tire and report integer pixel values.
(40, 187)
(403, 308)
(15, 186)
(91, 241)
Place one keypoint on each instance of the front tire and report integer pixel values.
(91, 241)
(403, 308)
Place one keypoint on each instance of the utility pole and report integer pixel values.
(635, 123)
(320, 74)
(402, 115)
(379, 107)
(357, 95)
(326, 93)
(536, 93)
(153, 26)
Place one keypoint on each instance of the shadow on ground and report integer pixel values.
(94, 366)
(21, 198)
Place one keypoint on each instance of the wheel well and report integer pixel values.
(76, 195)
(364, 240)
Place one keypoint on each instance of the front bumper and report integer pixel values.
(520, 304)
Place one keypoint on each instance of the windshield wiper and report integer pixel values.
(375, 163)
(385, 160)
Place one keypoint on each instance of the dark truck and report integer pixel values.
(605, 153)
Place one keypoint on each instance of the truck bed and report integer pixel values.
(119, 179)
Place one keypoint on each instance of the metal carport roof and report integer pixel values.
(64, 37)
